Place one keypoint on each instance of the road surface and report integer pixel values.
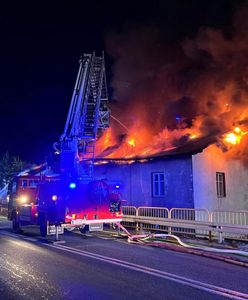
(103, 267)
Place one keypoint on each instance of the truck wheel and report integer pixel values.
(70, 228)
(84, 229)
(15, 223)
(43, 226)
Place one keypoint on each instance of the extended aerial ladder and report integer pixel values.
(71, 198)
(88, 113)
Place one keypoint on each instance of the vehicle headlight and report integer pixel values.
(23, 199)
(54, 197)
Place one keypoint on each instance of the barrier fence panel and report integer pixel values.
(234, 224)
(230, 217)
(129, 210)
(129, 216)
(189, 221)
(153, 212)
(192, 215)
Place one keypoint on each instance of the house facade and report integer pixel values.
(219, 182)
(162, 182)
(208, 179)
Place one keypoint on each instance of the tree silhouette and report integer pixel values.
(9, 167)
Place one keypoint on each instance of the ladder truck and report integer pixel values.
(71, 198)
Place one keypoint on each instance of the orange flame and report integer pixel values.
(141, 140)
(232, 138)
(235, 136)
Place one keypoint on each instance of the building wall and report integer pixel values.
(136, 181)
(205, 166)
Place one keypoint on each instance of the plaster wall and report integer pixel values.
(205, 166)
(136, 181)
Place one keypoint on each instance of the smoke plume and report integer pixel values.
(170, 94)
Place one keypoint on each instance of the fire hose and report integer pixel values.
(151, 239)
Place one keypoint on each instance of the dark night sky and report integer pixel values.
(42, 42)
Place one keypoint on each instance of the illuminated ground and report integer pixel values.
(101, 267)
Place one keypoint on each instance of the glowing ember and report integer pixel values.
(131, 142)
(237, 130)
(193, 136)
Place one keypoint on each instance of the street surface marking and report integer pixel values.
(30, 239)
(9, 234)
(17, 236)
(104, 238)
(4, 227)
(165, 275)
(154, 272)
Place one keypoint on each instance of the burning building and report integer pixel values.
(179, 125)
(199, 175)
(219, 182)
(151, 182)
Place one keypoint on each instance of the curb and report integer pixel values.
(224, 258)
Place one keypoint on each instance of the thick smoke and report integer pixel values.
(200, 84)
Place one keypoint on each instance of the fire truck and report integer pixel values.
(71, 197)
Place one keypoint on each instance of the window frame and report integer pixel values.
(33, 183)
(24, 183)
(29, 183)
(220, 184)
(159, 181)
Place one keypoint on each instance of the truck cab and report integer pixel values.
(49, 200)
(26, 207)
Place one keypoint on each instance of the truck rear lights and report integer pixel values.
(68, 218)
(118, 214)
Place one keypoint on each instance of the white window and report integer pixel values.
(158, 184)
(220, 184)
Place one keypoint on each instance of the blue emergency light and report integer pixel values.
(72, 185)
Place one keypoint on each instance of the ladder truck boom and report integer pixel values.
(72, 198)
(88, 113)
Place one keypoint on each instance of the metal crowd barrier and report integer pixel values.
(198, 222)
(230, 217)
(231, 223)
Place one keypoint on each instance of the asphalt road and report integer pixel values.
(103, 267)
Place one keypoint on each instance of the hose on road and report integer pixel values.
(151, 239)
